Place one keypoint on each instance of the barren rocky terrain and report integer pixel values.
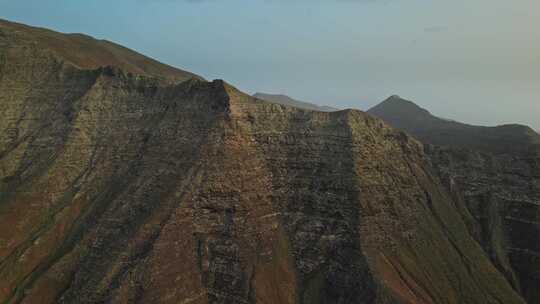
(121, 185)
(493, 174)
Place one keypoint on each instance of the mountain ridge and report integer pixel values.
(87, 52)
(406, 115)
(116, 187)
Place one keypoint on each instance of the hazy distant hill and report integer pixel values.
(288, 101)
(408, 116)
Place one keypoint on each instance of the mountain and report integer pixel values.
(85, 52)
(406, 115)
(493, 173)
(124, 188)
(286, 100)
(502, 192)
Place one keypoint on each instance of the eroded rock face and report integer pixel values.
(128, 189)
(493, 175)
(502, 192)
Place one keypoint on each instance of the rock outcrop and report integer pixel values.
(118, 187)
(493, 174)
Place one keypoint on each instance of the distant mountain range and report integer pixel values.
(406, 115)
(288, 101)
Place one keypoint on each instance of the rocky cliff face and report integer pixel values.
(502, 192)
(124, 188)
(496, 187)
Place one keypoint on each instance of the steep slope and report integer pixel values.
(407, 116)
(498, 185)
(287, 101)
(86, 52)
(124, 189)
(502, 191)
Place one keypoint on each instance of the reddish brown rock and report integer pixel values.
(125, 188)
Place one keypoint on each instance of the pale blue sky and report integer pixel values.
(475, 61)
